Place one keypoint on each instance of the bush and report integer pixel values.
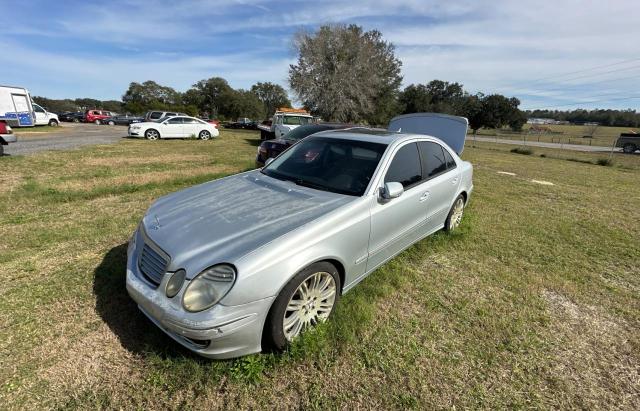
(522, 150)
(606, 162)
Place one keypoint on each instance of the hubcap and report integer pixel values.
(310, 304)
(152, 135)
(204, 135)
(456, 216)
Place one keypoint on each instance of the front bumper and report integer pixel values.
(8, 138)
(220, 332)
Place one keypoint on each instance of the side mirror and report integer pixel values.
(268, 161)
(391, 190)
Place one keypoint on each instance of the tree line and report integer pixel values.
(605, 117)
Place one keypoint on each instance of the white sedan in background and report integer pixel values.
(174, 127)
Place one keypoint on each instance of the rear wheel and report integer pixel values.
(204, 135)
(76, 120)
(112, 123)
(629, 148)
(96, 122)
(53, 123)
(152, 134)
(307, 300)
(455, 214)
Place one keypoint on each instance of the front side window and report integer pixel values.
(433, 159)
(329, 164)
(405, 167)
(38, 108)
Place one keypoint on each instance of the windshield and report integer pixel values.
(328, 164)
(296, 120)
(301, 132)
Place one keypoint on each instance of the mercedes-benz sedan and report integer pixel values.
(257, 258)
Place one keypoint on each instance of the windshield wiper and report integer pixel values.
(305, 183)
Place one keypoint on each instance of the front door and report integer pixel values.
(41, 115)
(173, 128)
(397, 223)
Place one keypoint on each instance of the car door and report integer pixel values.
(397, 223)
(192, 127)
(172, 128)
(41, 114)
(441, 184)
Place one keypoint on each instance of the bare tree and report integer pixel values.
(345, 74)
(590, 129)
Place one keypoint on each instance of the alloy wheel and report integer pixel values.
(310, 304)
(456, 215)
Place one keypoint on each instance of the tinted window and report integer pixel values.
(177, 120)
(188, 120)
(329, 164)
(405, 166)
(433, 160)
(451, 163)
(155, 115)
(301, 132)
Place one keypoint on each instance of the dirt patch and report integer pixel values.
(596, 360)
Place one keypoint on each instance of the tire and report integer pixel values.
(629, 148)
(455, 215)
(53, 123)
(318, 307)
(204, 135)
(76, 120)
(1, 150)
(112, 123)
(96, 122)
(152, 134)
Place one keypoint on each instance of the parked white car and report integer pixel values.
(44, 117)
(174, 127)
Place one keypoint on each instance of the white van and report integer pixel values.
(15, 107)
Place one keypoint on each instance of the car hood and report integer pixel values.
(222, 220)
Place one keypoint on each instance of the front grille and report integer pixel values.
(152, 264)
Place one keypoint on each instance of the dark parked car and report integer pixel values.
(72, 117)
(629, 142)
(272, 148)
(122, 120)
(242, 123)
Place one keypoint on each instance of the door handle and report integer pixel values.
(454, 181)
(425, 196)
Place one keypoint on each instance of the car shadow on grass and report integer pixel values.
(136, 332)
(253, 141)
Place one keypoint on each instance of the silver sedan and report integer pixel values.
(259, 257)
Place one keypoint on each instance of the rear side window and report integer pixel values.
(451, 163)
(433, 158)
(405, 166)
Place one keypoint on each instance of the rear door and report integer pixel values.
(22, 110)
(192, 127)
(450, 129)
(442, 180)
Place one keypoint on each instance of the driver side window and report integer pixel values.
(405, 167)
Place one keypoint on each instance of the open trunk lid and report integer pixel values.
(450, 129)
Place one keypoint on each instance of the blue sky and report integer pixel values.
(558, 54)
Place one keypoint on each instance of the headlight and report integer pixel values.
(175, 283)
(208, 287)
(134, 127)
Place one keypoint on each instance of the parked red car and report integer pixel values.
(6, 136)
(96, 116)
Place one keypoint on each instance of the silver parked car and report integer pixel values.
(258, 257)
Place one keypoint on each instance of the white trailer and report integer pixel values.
(16, 108)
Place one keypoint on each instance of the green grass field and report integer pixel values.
(534, 303)
(566, 134)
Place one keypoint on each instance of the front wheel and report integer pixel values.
(455, 214)
(204, 135)
(307, 300)
(152, 134)
(629, 148)
(112, 123)
(53, 123)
